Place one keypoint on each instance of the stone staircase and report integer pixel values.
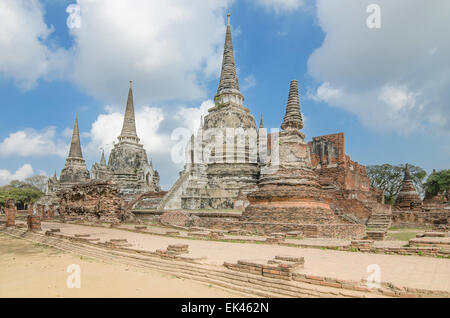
(347, 217)
(377, 226)
(175, 190)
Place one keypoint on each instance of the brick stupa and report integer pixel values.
(407, 198)
(289, 196)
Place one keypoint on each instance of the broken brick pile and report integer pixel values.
(362, 245)
(33, 223)
(93, 201)
(281, 267)
(275, 238)
(174, 250)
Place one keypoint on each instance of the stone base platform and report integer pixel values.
(342, 231)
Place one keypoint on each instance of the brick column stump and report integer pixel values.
(34, 223)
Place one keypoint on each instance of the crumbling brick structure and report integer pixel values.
(346, 180)
(93, 201)
(289, 195)
(408, 199)
(434, 213)
(33, 223)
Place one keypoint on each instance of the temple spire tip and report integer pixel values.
(228, 19)
(293, 118)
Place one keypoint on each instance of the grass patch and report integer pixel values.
(403, 236)
(408, 229)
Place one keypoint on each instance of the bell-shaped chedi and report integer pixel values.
(289, 196)
(75, 170)
(407, 198)
(128, 164)
(227, 168)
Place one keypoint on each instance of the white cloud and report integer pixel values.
(22, 173)
(190, 117)
(29, 142)
(395, 78)
(387, 108)
(167, 48)
(249, 82)
(281, 6)
(154, 127)
(24, 55)
(107, 128)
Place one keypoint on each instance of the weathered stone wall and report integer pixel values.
(93, 201)
(414, 218)
(343, 231)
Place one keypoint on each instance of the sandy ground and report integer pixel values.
(404, 271)
(32, 270)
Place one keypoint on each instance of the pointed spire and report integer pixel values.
(129, 121)
(75, 146)
(228, 79)
(103, 160)
(407, 173)
(54, 176)
(261, 124)
(293, 118)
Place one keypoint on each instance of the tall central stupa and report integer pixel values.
(220, 173)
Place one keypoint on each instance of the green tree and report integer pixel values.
(21, 192)
(437, 182)
(37, 181)
(390, 178)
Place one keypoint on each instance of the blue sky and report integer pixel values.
(386, 89)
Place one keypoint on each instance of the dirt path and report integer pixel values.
(33, 270)
(410, 271)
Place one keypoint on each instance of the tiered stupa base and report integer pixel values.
(296, 208)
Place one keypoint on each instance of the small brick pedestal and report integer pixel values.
(34, 223)
(10, 213)
(51, 211)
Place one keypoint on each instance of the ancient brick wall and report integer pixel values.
(346, 180)
(414, 218)
(93, 201)
(328, 150)
(334, 167)
(343, 231)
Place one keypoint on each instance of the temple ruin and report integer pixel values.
(346, 180)
(222, 178)
(410, 210)
(408, 198)
(128, 164)
(289, 196)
